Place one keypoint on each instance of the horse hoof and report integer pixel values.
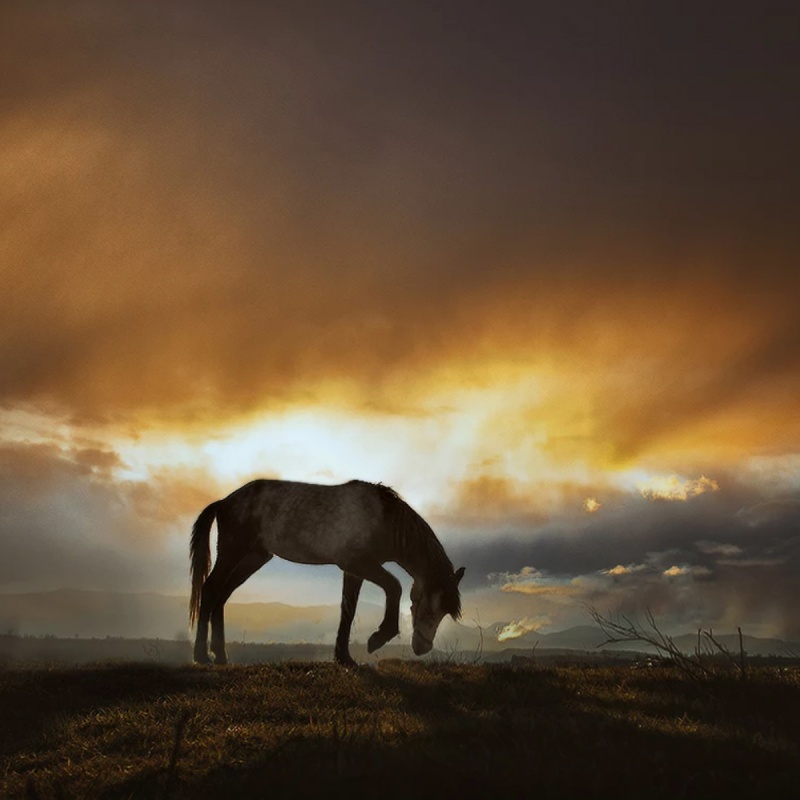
(347, 662)
(201, 659)
(379, 639)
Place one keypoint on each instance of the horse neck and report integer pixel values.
(420, 562)
(417, 550)
(414, 566)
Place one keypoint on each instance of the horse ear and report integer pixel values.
(458, 575)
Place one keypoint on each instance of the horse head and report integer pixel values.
(430, 602)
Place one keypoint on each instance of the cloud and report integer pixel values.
(549, 590)
(487, 496)
(188, 240)
(530, 581)
(66, 522)
(517, 628)
(674, 488)
(169, 495)
(719, 548)
(676, 571)
(769, 511)
(692, 563)
(620, 569)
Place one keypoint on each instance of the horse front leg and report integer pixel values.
(351, 588)
(390, 626)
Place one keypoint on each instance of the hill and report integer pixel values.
(396, 730)
(69, 612)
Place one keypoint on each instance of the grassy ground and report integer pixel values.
(398, 730)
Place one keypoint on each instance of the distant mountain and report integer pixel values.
(589, 638)
(580, 637)
(753, 645)
(85, 614)
(68, 612)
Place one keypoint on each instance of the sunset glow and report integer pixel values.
(467, 264)
(671, 487)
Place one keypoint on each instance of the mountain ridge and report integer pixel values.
(102, 613)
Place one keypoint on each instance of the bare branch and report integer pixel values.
(624, 629)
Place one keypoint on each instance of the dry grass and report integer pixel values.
(295, 730)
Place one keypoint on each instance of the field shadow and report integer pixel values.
(35, 701)
(516, 730)
(425, 728)
(769, 708)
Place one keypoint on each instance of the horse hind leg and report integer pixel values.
(251, 563)
(209, 596)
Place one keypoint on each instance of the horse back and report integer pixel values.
(310, 523)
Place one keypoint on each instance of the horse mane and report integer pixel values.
(415, 539)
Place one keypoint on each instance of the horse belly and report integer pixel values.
(306, 547)
(300, 550)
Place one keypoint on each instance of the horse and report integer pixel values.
(358, 526)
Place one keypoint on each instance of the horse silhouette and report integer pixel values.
(358, 526)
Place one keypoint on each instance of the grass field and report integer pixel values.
(401, 729)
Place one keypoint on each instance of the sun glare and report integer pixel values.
(497, 429)
(426, 455)
(487, 428)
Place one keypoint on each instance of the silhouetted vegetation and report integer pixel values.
(398, 729)
(709, 656)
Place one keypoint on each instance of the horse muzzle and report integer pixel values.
(420, 644)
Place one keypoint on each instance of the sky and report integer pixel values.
(534, 265)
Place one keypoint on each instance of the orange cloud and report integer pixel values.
(672, 487)
(173, 261)
(169, 496)
(530, 581)
(621, 569)
(680, 571)
(487, 496)
(540, 591)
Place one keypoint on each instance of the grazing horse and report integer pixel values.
(358, 526)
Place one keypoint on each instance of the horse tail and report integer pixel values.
(200, 556)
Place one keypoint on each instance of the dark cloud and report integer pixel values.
(763, 375)
(220, 207)
(695, 562)
(66, 523)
